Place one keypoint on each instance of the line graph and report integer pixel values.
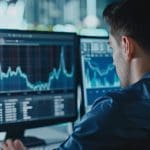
(17, 74)
(100, 76)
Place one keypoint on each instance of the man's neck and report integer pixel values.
(138, 68)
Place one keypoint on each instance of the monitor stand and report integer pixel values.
(28, 141)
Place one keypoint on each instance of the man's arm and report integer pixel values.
(93, 129)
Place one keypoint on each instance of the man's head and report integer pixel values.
(129, 23)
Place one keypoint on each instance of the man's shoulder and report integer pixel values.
(111, 98)
(113, 101)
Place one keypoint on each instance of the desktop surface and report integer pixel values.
(52, 135)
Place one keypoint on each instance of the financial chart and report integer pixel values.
(35, 68)
(98, 72)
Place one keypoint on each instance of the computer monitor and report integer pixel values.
(98, 72)
(38, 79)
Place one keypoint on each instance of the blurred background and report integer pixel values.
(81, 16)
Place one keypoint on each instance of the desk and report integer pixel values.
(53, 135)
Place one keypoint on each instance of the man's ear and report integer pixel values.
(127, 47)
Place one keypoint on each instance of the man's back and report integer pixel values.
(119, 120)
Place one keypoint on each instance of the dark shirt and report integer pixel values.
(119, 120)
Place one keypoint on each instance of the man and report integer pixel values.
(119, 120)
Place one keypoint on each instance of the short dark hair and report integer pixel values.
(130, 18)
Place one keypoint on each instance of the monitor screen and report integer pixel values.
(98, 72)
(37, 78)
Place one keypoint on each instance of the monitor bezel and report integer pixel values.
(51, 121)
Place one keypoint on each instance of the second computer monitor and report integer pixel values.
(98, 72)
